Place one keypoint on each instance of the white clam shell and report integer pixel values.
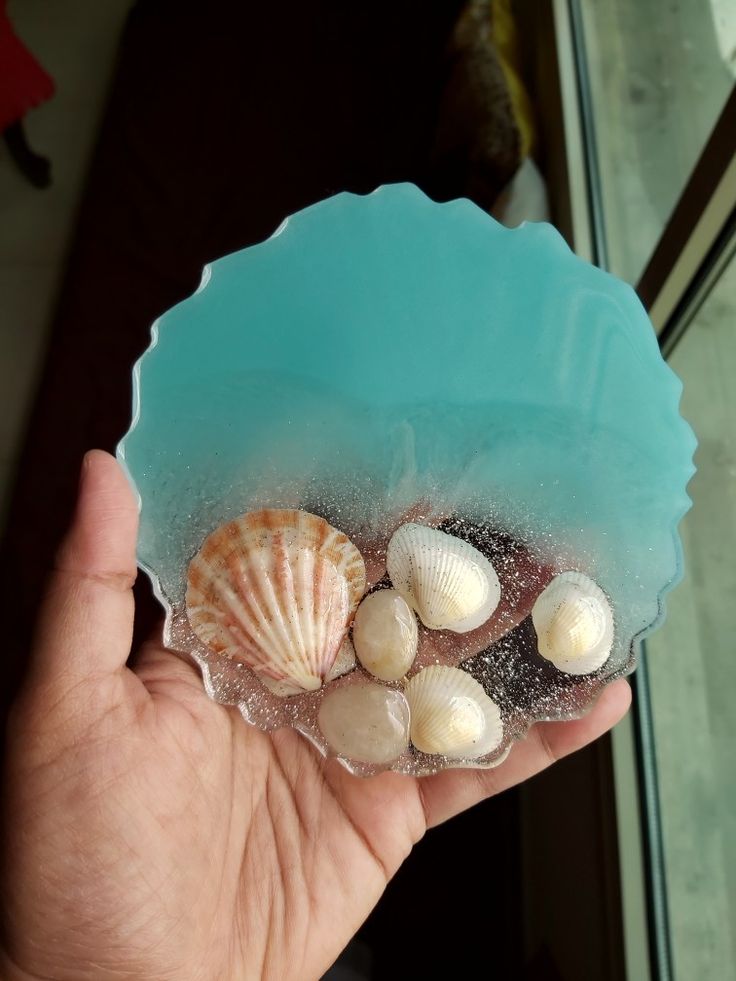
(385, 635)
(276, 589)
(365, 722)
(574, 624)
(451, 714)
(450, 584)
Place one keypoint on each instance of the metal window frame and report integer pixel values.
(696, 236)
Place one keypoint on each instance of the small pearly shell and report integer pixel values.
(365, 722)
(450, 584)
(574, 624)
(451, 714)
(344, 662)
(276, 589)
(385, 635)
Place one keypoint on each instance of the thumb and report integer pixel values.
(86, 622)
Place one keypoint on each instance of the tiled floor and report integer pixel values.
(76, 42)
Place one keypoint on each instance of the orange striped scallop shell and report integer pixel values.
(277, 590)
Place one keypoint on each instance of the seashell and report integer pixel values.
(365, 722)
(574, 624)
(450, 584)
(385, 635)
(344, 662)
(276, 589)
(451, 714)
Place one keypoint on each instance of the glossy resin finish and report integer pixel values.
(383, 359)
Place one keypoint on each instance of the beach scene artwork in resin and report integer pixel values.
(409, 480)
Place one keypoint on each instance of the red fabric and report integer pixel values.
(23, 82)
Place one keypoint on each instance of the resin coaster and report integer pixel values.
(413, 374)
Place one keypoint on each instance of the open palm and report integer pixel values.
(150, 833)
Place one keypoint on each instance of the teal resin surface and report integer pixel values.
(384, 353)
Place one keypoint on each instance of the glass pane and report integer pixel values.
(659, 76)
(692, 664)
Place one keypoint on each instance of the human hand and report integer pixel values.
(151, 833)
